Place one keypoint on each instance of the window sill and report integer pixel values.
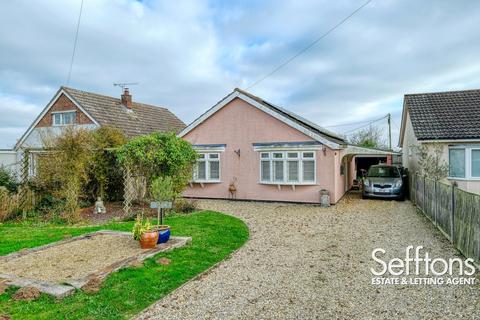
(206, 181)
(465, 179)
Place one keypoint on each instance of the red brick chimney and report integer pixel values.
(127, 99)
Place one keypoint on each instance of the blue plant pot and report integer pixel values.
(163, 236)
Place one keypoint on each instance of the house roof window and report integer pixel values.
(64, 118)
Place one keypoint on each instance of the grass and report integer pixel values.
(128, 291)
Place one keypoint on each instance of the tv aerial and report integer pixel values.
(125, 84)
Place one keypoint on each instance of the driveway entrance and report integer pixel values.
(307, 262)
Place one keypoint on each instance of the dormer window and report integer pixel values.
(63, 118)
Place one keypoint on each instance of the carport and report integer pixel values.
(355, 158)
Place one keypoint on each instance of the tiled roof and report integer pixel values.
(445, 115)
(141, 119)
(297, 119)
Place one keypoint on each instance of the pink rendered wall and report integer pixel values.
(352, 172)
(339, 179)
(238, 125)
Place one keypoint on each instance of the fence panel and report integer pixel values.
(429, 199)
(412, 187)
(444, 209)
(420, 192)
(455, 212)
(467, 223)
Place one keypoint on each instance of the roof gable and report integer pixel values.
(315, 132)
(42, 114)
(108, 111)
(444, 115)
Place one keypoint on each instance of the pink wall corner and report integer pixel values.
(352, 172)
(343, 182)
(239, 125)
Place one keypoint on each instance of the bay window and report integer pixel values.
(287, 167)
(464, 162)
(207, 168)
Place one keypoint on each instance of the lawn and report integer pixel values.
(128, 291)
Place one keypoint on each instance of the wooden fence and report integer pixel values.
(455, 212)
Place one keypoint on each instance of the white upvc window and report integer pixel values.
(207, 168)
(464, 162)
(64, 118)
(475, 161)
(287, 167)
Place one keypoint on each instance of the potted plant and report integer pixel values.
(143, 232)
(162, 193)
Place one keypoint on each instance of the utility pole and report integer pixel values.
(389, 131)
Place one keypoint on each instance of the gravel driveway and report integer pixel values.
(306, 262)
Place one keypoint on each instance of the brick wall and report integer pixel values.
(63, 104)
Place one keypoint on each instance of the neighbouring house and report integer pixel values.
(450, 120)
(251, 149)
(81, 109)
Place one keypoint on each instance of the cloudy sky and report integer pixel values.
(187, 55)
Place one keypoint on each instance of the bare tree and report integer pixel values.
(370, 137)
(431, 162)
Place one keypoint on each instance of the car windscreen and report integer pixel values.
(383, 172)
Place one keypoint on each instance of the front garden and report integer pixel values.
(128, 291)
(86, 181)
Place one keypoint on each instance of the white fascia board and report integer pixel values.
(288, 148)
(44, 112)
(79, 107)
(451, 141)
(254, 103)
(290, 122)
(403, 124)
(356, 150)
(213, 149)
(207, 114)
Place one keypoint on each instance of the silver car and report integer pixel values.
(384, 181)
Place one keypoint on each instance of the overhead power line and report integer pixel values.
(365, 125)
(351, 123)
(75, 43)
(309, 46)
(395, 124)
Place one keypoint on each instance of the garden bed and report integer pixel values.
(115, 211)
(60, 267)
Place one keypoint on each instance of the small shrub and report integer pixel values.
(8, 180)
(47, 203)
(9, 204)
(183, 205)
(141, 225)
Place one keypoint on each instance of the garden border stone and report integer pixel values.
(61, 290)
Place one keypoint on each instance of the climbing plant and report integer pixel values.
(159, 155)
(62, 171)
(105, 178)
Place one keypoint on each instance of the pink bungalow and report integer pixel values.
(250, 149)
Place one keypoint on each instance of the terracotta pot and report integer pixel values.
(148, 240)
